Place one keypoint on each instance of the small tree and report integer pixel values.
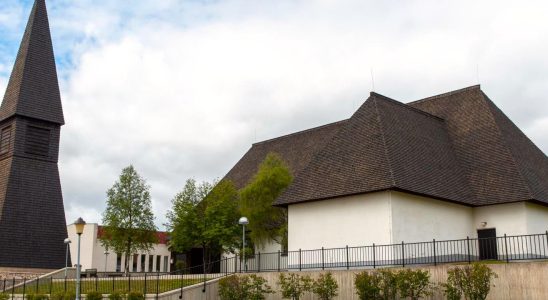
(388, 283)
(414, 284)
(474, 282)
(128, 219)
(325, 286)
(250, 287)
(266, 222)
(367, 286)
(293, 286)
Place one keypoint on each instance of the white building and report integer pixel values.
(450, 166)
(92, 253)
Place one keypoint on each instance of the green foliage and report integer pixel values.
(388, 283)
(293, 286)
(116, 296)
(128, 219)
(205, 215)
(367, 285)
(266, 222)
(414, 284)
(68, 295)
(325, 286)
(473, 282)
(94, 296)
(4, 296)
(135, 296)
(250, 287)
(37, 297)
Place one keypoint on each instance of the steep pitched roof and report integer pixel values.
(296, 149)
(33, 90)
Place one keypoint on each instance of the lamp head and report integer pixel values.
(67, 241)
(79, 225)
(243, 221)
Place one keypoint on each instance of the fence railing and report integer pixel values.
(504, 248)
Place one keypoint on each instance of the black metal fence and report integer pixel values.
(504, 248)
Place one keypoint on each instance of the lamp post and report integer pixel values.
(67, 242)
(79, 225)
(243, 221)
(106, 256)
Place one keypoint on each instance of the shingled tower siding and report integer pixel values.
(32, 217)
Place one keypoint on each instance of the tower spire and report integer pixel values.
(33, 89)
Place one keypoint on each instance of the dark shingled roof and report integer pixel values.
(456, 146)
(33, 90)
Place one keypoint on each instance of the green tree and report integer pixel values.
(205, 215)
(266, 222)
(128, 219)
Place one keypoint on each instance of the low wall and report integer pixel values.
(518, 280)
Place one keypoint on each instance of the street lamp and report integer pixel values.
(79, 225)
(106, 256)
(243, 221)
(67, 242)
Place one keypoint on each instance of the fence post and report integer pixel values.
(434, 247)
(300, 267)
(279, 260)
(183, 280)
(65, 284)
(323, 260)
(50, 284)
(128, 282)
(259, 262)
(157, 285)
(13, 288)
(145, 286)
(226, 266)
(468, 248)
(4, 286)
(506, 249)
(374, 264)
(347, 264)
(37, 284)
(402, 254)
(24, 287)
(113, 284)
(96, 283)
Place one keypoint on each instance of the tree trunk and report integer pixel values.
(128, 250)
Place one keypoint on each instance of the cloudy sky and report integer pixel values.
(181, 89)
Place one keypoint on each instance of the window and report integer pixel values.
(143, 263)
(165, 263)
(150, 263)
(135, 259)
(5, 139)
(37, 141)
(118, 262)
(158, 262)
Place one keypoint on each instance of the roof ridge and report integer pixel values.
(298, 132)
(374, 98)
(383, 97)
(468, 88)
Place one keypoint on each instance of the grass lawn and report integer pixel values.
(105, 285)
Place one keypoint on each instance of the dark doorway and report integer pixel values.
(487, 241)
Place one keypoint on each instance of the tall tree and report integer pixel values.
(266, 222)
(206, 216)
(128, 219)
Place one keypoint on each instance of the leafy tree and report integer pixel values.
(325, 286)
(128, 220)
(205, 215)
(266, 222)
(367, 286)
(293, 286)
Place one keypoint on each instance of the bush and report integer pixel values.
(250, 287)
(94, 296)
(4, 296)
(63, 296)
(414, 284)
(37, 297)
(388, 283)
(325, 287)
(135, 296)
(293, 286)
(473, 282)
(367, 286)
(116, 296)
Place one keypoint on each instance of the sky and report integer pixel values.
(181, 89)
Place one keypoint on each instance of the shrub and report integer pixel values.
(414, 284)
(367, 286)
(388, 284)
(293, 286)
(116, 296)
(94, 296)
(473, 282)
(69, 295)
(325, 287)
(250, 287)
(4, 296)
(37, 297)
(135, 296)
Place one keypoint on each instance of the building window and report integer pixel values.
(143, 263)
(5, 139)
(37, 141)
(118, 262)
(165, 263)
(158, 262)
(150, 263)
(135, 259)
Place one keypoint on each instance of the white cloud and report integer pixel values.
(181, 90)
